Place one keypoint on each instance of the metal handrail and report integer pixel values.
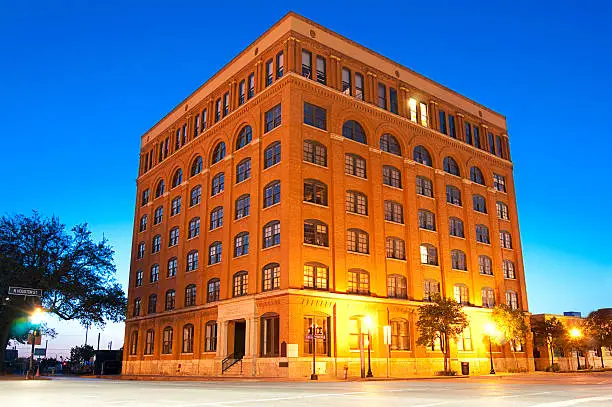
(231, 360)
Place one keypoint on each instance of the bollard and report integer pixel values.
(345, 372)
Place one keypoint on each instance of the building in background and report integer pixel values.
(314, 181)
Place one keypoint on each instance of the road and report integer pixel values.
(540, 390)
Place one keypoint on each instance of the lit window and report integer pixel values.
(396, 248)
(485, 265)
(512, 299)
(271, 277)
(346, 81)
(488, 297)
(358, 282)
(315, 276)
(423, 109)
(356, 202)
(429, 254)
(461, 294)
(315, 233)
(397, 286)
(412, 105)
(315, 192)
(357, 241)
(241, 283)
(458, 260)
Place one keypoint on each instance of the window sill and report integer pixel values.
(272, 166)
(310, 126)
(358, 214)
(195, 204)
(457, 237)
(271, 206)
(426, 196)
(393, 187)
(357, 177)
(242, 218)
(428, 230)
(243, 181)
(358, 253)
(485, 274)
(394, 259)
(315, 246)
(272, 129)
(394, 222)
(217, 228)
(459, 270)
(315, 204)
(483, 243)
(314, 164)
(217, 194)
(270, 247)
(241, 256)
(460, 206)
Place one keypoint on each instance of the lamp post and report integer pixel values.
(490, 330)
(368, 323)
(576, 334)
(35, 319)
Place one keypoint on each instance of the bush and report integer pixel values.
(449, 373)
(553, 368)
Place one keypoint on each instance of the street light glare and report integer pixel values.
(367, 321)
(575, 333)
(37, 316)
(490, 329)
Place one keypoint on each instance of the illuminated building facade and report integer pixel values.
(313, 181)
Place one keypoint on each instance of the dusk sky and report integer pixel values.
(81, 81)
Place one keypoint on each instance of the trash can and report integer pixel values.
(465, 368)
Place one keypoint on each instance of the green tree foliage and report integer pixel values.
(598, 325)
(76, 274)
(81, 354)
(551, 333)
(511, 325)
(442, 320)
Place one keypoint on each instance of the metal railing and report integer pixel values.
(231, 360)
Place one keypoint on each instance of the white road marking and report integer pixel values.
(573, 402)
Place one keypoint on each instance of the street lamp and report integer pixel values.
(576, 334)
(36, 318)
(491, 330)
(368, 323)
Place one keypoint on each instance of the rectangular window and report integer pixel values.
(393, 100)
(464, 342)
(491, 143)
(412, 104)
(468, 133)
(315, 116)
(442, 118)
(423, 109)
(269, 68)
(225, 104)
(217, 110)
(452, 131)
(241, 93)
(306, 64)
(196, 127)
(346, 81)
(280, 67)
(359, 86)
(321, 70)
(272, 118)
(499, 183)
(498, 146)
(382, 96)
(251, 86)
(476, 134)
(204, 121)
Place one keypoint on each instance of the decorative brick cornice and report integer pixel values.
(336, 137)
(375, 150)
(439, 171)
(409, 161)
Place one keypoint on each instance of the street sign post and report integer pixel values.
(27, 292)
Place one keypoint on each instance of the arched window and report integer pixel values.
(210, 336)
(243, 170)
(392, 176)
(389, 144)
(461, 294)
(455, 227)
(396, 248)
(196, 195)
(168, 333)
(453, 195)
(357, 241)
(170, 300)
(190, 295)
(272, 154)
(152, 304)
(134, 343)
(315, 192)
(502, 210)
(271, 234)
(192, 260)
(218, 152)
(315, 153)
(315, 233)
(144, 197)
(512, 299)
(355, 165)
(480, 203)
(158, 215)
(270, 335)
(149, 342)
(271, 277)
(218, 184)
(485, 265)
(216, 218)
(476, 176)
(482, 234)
(244, 137)
(353, 131)
(509, 272)
(174, 237)
(358, 282)
(505, 239)
(241, 244)
(159, 190)
(188, 338)
(427, 220)
(156, 244)
(394, 212)
(451, 166)
(177, 178)
(488, 297)
(241, 282)
(271, 194)
(424, 186)
(429, 254)
(422, 156)
(397, 286)
(243, 206)
(172, 267)
(356, 202)
(214, 253)
(214, 290)
(196, 166)
(458, 260)
(316, 276)
(400, 339)
(431, 288)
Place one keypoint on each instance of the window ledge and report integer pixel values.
(457, 237)
(314, 164)
(455, 205)
(270, 247)
(425, 196)
(315, 246)
(358, 253)
(460, 270)
(392, 187)
(485, 274)
(271, 206)
(394, 222)
(357, 177)
(272, 166)
(243, 181)
(242, 218)
(217, 228)
(310, 126)
(394, 259)
(357, 214)
(428, 230)
(315, 204)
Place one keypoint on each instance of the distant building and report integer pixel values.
(312, 181)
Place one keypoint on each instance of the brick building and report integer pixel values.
(314, 181)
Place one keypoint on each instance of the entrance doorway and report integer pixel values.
(239, 338)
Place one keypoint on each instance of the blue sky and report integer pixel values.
(80, 81)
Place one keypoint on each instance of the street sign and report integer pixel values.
(387, 334)
(40, 352)
(28, 292)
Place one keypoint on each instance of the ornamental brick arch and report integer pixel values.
(210, 148)
(484, 168)
(369, 132)
(395, 131)
(422, 140)
(454, 154)
(236, 132)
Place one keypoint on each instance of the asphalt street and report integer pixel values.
(562, 390)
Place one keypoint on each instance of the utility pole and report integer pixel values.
(86, 332)
(98, 341)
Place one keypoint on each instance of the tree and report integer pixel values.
(76, 274)
(443, 320)
(550, 333)
(511, 324)
(598, 325)
(81, 354)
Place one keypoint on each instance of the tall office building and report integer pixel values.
(314, 182)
